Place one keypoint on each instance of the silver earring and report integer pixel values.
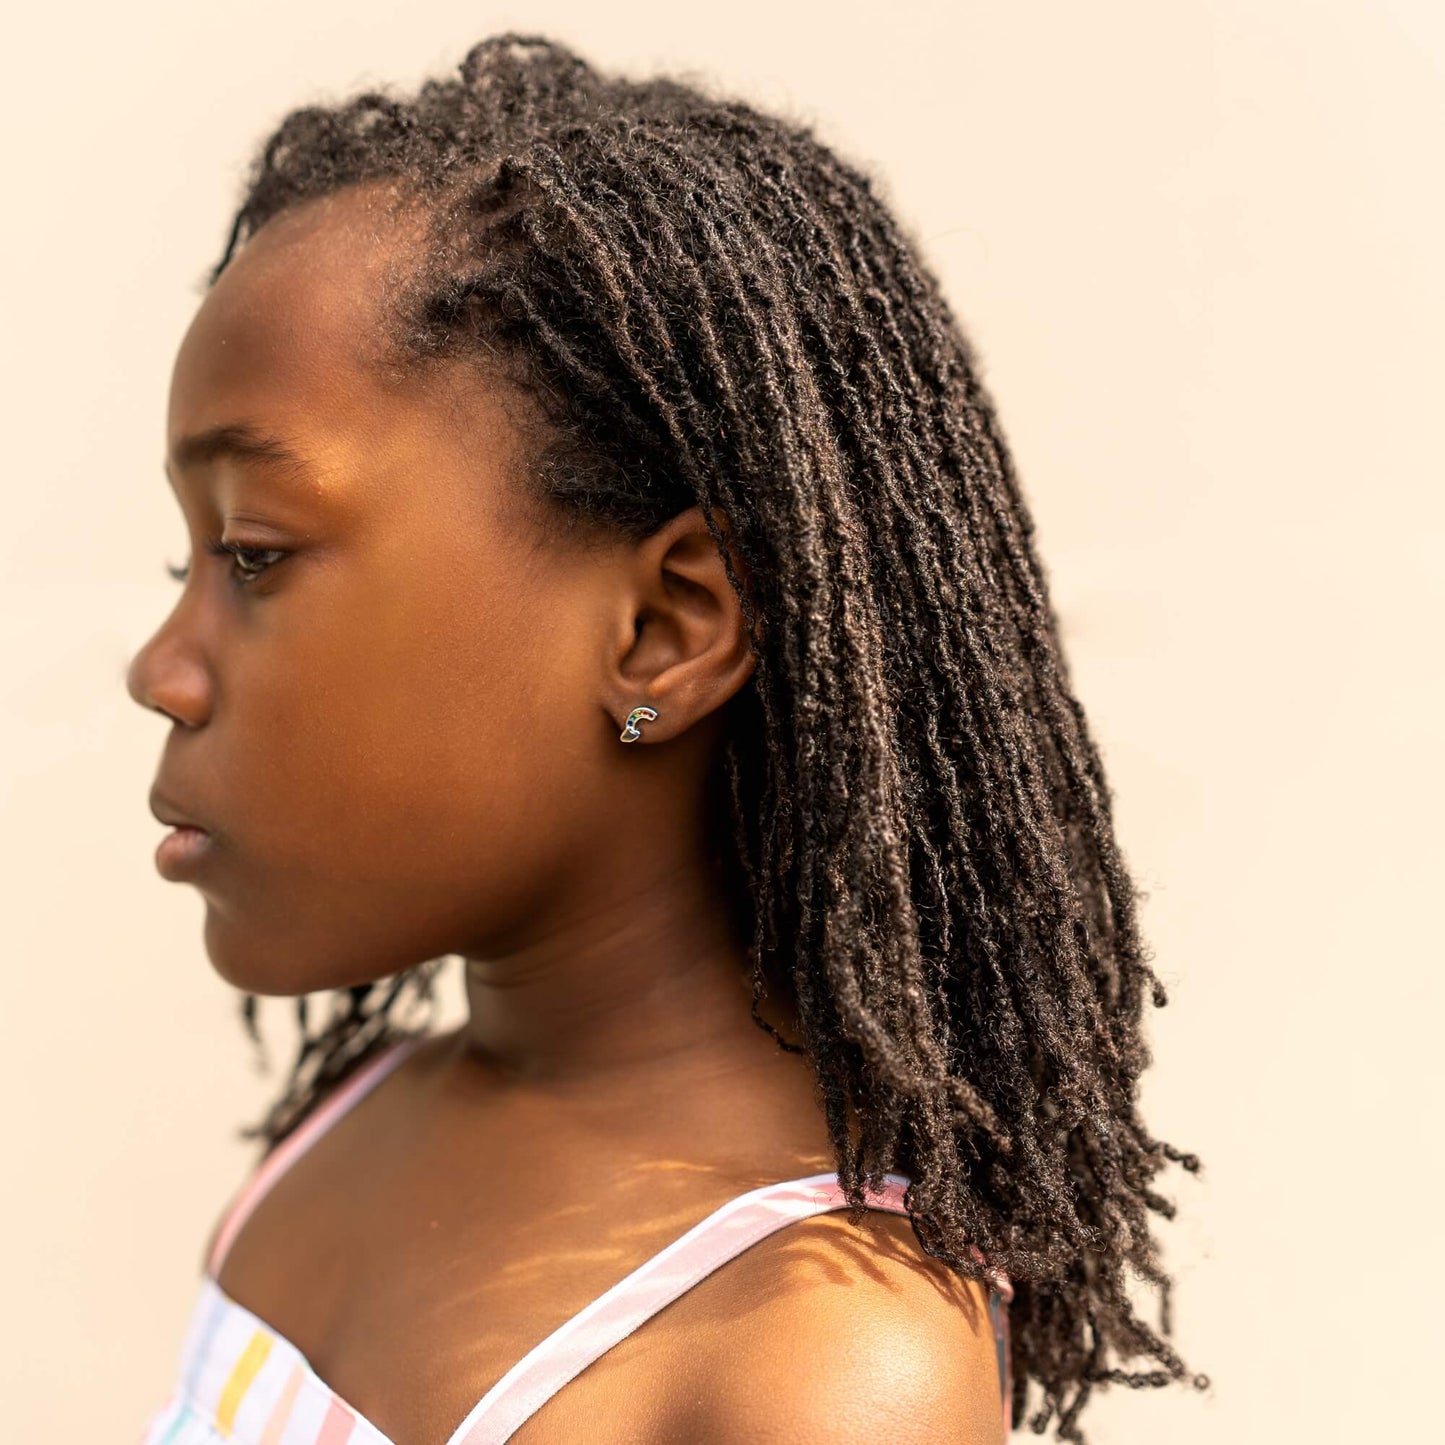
(630, 733)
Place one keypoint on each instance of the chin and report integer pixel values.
(257, 964)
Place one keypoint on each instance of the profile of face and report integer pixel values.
(397, 711)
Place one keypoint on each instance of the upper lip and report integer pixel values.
(165, 811)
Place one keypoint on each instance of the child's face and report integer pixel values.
(394, 733)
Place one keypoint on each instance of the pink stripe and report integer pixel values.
(271, 1435)
(298, 1142)
(336, 1428)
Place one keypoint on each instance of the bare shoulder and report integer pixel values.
(836, 1332)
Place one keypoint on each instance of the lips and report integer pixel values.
(163, 810)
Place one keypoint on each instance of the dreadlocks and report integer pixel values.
(711, 308)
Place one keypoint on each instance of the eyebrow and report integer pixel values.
(235, 439)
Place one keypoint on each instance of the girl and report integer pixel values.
(608, 568)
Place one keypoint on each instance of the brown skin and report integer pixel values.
(403, 738)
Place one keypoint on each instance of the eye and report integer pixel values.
(247, 569)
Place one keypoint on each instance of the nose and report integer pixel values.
(169, 676)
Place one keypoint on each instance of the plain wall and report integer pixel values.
(1198, 249)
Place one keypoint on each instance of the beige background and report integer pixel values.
(1198, 246)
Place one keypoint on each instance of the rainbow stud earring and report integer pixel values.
(631, 733)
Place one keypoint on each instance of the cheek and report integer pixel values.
(407, 820)
(415, 739)
(413, 771)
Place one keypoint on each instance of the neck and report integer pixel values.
(648, 984)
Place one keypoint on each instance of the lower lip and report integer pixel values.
(179, 849)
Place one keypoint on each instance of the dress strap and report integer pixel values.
(340, 1101)
(722, 1236)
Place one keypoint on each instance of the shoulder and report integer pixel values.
(827, 1331)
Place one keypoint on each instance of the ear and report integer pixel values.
(681, 645)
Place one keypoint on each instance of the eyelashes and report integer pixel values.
(246, 569)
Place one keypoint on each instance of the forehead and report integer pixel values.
(290, 332)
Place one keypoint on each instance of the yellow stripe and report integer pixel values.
(252, 1358)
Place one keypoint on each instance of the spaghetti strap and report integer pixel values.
(342, 1099)
(243, 1380)
(722, 1236)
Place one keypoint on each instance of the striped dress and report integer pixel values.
(244, 1382)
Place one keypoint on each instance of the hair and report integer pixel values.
(711, 308)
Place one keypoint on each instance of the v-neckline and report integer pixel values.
(471, 1419)
(475, 1412)
(467, 1426)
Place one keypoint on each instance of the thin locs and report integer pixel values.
(711, 308)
